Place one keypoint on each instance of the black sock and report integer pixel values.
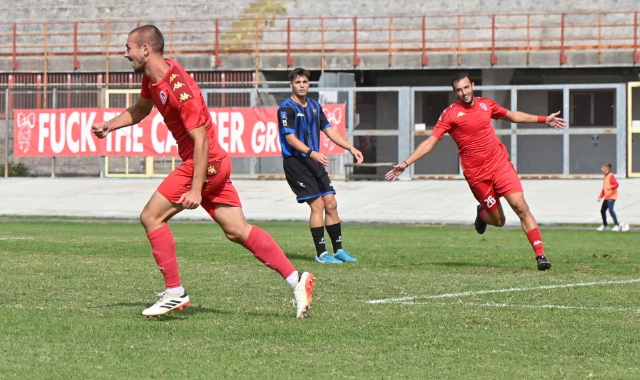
(335, 233)
(318, 239)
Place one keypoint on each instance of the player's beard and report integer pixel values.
(470, 102)
(137, 68)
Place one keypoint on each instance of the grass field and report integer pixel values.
(473, 308)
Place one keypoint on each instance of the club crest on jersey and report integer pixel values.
(460, 114)
(172, 77)
(283, 114)
(184, 96)
(315, 112)
(484, 106)
(211, 169)
(163, 97)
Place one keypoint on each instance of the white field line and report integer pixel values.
(494, 304)
(506, 290)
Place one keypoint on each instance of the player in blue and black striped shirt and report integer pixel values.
(300, 122)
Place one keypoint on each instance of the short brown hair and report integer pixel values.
(458, 77)
(299, 72)
(608, 165)
(150, 35)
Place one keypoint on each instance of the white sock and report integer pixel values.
(177, 291)
(292, 280)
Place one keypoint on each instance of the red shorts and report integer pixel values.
(505, 181)
(217, 190)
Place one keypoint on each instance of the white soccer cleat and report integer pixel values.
(615, 228)
(624, 226)
(302, 294)
(167, 303)
(601, 228)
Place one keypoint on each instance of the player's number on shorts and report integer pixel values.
(490, 201)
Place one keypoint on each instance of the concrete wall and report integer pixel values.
(408, 29)
(412, 7)
(76, 10)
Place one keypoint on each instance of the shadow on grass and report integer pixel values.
(460, 264)
(300, 256)
(191, 311)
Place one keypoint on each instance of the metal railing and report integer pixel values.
(425, 34)
(383, 122)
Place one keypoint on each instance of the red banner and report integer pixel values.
(243, 132)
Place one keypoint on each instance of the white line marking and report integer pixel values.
(16, 238)
(493, 304)
(508, 290)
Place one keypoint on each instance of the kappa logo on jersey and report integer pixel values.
(177, 85)
(460, 114)
(484, 106)
(490, 201)
(163, 97)
(172, 77)
(184, 96)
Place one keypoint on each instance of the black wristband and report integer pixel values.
(405, 162)
(309, 152)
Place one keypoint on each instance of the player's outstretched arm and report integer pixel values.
(521, 117)
(334, 136)
(132, 115)
(422, 150)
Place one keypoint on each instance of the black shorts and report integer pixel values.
(307, 178)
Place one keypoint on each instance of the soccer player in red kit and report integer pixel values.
(201, 180)
(485, 160)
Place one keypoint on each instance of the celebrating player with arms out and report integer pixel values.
(485, 161)
(201, 180)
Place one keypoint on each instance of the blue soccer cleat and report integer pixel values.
(327, 258)
(344, 256)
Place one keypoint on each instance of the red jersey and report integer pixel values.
(179, 100)
(470, 127)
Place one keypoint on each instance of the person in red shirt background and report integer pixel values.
(610, 194)
(484, 159)
(203, 178)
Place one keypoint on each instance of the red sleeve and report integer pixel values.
(601, 194)
(191, 114)
(613, 182)
(144, 91)
(497, 111)
(443, 126)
